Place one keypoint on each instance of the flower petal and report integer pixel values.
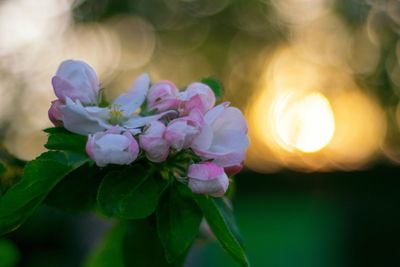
(136, 95)
(152, 141)
(208, 178)
(112, 147)
(54, 113)
(139, 121)
(77, 80)
(205, 171)
(163, 96)
(78, 119)
(224, 136)
(197, 96)
(215, 112)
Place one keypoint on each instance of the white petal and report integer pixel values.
(113, 142)
(136, 95)
(226, 140)
(77, 119)
(215, 112)
(204, 139)
(138, 121)
(231, 119)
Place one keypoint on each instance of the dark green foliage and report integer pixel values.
(61, 139)
(142, 247)
(178, 221)
(110, 251)
(39, 177)
(78, 190)
(221, 222)
(132, 193)
(9, 254)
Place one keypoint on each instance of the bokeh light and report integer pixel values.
(305, 122)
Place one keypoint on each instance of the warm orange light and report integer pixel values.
(309, 117)
(305, 122)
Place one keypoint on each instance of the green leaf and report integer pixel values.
(215, 85)
(142, 246)
(78, 190)
(9, 254)
(221, 221)
(110, 250)
(130, 194)
(61, 139)
(178, 221)
(39, 177)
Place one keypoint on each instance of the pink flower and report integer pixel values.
(152, 141)
(163, 96)
(223, 137)
(197, 96)
(208, 178)
(77, 80)
(180, 132)
(112, 147)
(54, 113)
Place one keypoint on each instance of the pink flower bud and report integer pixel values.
(197, 96)
(152, 141)
(208, 178)
(77, 80)
(163, 96)
(181, 131)
(54, 113)
(112, 147)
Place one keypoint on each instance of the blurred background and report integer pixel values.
(318, 81)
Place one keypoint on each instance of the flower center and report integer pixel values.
(116, 115)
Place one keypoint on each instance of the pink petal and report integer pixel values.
(207, 178)
(205, 171)
(54, 113)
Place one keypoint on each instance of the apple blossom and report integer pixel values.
(113, 146)
(207, 178)
(162, 96)
(152, 141)
(78, 81)
(180, 132)
(197, 96)
(183, 120)
(86, 120)
(223, 137)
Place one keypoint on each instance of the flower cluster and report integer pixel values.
(157, 119)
